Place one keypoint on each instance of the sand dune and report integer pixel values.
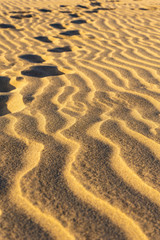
(79, 119)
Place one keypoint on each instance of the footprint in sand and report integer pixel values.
(92, 11)
(4, 84)
(66, 11)
(42, 71)
(70, 33)
(57, 25)
(95, 10)
(21, 16)
(95, 4)
(61, 49)
(3, 105)
(19, 78)
(81, 6)
(44, 10)
(32, 58)
(28, 98)
(43, 39)
(79, 21)
(144, 9)
(3, 25)
(5, 87)
(74, 15)
(63, 6)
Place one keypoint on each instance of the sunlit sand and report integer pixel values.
(79, 120)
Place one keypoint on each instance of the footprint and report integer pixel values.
(79, 21)
(70, 33)
(81, 6)
(61, 49)
(144, 9)
(66, 11)
(74, 15)
(43, 39)
(42, 71)
(92, 11)
(95, 4)
(28, 98)
(44, 10)
(19, 78)
(4, 84)
(20, 16)
(98, 9)
(3, 105)
(57, 25)
(2, 25)
(32, 58)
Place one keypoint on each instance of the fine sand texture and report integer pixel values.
(79, 120)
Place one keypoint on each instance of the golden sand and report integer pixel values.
(79, 120)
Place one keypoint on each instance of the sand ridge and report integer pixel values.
(79, 119)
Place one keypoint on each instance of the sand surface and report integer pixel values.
(79, 120)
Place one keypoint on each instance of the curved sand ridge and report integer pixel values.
(79, 120)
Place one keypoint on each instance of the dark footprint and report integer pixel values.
(57, 25)
(70, 33)
(95, 4)
(74, 15)
(144, 9)
(2, 25)
(43, 39)
(3, 106)
(32, 58)
(98, 9)
(42, 71)
(44, 10)
(61, 49)
(65, 11)
(79, 21)
(20, 16)
(28, 99)
(63, 6)
(19, 78)
(92, 11)
(81, 6)
(4, 84)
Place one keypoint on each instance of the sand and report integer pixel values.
(79, 120)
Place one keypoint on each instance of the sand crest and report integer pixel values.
(79, 120)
